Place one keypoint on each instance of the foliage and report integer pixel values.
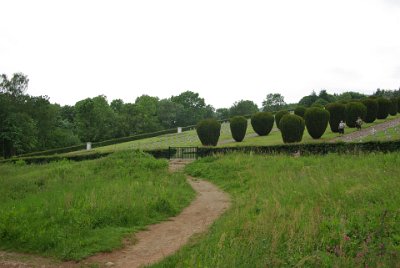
(320, 103)
(393, 106)
(238, 125)
(307, 101)
(292, 128)
(262, 123)
(372, 109)
(274, 102)
(279, 115)
(353, 111)
(208, 131)
(316, 120)
(222, 113)
(383, 108)
(243, 107)
(75, 209)
(290, 212)
(300, 111)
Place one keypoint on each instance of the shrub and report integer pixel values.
(278, 117)
(398, 104)
(262, 123)
(372, 109)
(316, 121)
(208, 131)
(337, 113)
(292, 128)
(300, 110)
(383, 108)
(393, 106)
(238, 126)
(353, 111)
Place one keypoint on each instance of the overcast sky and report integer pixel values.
(225, 50)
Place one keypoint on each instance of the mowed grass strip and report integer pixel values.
(311, 211)
(69, 210)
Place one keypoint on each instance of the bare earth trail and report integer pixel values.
(367, 131)
(159, 240)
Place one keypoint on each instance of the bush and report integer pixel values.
(337, 113)
(262, 123)
(353, 111)
(316, 121)
(372, 109)
(208, 131)
(292, 128)
(278, 117)
(383, 108)
(300, 111)
(393, 106)
(398, 104)
(238, 126)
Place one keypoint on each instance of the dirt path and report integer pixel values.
(367, 131)
(159, 240)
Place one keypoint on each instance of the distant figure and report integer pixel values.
(359, 122)
(341, 127)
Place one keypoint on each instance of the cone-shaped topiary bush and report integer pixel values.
(262, 123)
(337, 113)
(292, 128)
(393, 106)
(300, 111)
(278, 117)
(238, 126)
(372, 109)
(316, 121)
(383, 108)
(353, 111)
(208, 131)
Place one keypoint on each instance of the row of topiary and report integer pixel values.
(292, 126)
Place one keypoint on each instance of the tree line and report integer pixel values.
(32, 123)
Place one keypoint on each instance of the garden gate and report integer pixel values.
(182, 152)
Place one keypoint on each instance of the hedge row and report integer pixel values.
(52, 158)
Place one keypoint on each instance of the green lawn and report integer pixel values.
(69, 210)
(392, 133)
(311, 211)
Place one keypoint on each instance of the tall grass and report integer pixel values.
(70, 210)
(313, 211)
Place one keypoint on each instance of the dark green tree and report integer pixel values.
(292, 128)
(274, 102)
(243, 107)
(337, 112)
(208, 131)
(278, 117)
(238, 125)
(353, 111)
(262, 123)
(316, 120)
(372, 109)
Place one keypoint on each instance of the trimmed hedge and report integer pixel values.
(398, 104)
(300, 111)
(372, 109)
(316, 120)
(353, 111)
(238, 125)
(337, 113)
(383, 108)
(209, 131)
(292, 128)
(278, 117)
(393, 106)
(262, 123)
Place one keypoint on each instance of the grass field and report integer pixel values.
(392, 133)
(69, 210)
(312, 211)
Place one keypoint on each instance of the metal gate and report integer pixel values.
(182, 152)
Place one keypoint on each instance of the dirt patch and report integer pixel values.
(159, 240)
(367, 131)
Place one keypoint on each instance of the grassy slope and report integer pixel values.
(316, 211)
(70, 210)
(392, 133)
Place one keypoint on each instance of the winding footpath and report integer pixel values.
(159, 240)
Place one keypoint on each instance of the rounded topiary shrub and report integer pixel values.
(353, 111)
(393, 106)
(238, 126)
(278, 117)
(383, 108)
(208, 131)
(300, 111)
(316, 120)
(337, 113)
(262, 123)
(292, 128)
(372, 109)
